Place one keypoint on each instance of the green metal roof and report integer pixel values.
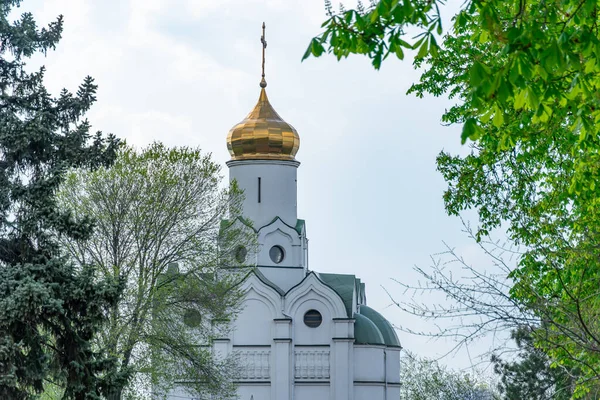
(299, 225)
(343, 285)
(226, 223)
(267, 282)
(370, 326)
(387, 331)
(366, 332)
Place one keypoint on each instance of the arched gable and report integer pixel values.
(261, 304)
(253, 287)
(309, 296)
(278, 233)
(313, 288)
(235, 234)
(279, 227)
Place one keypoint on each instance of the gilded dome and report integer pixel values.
(263, 135)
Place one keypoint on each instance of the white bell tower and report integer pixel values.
(262, 148)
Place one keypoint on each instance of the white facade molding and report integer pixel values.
(311, 364)
(255, 364)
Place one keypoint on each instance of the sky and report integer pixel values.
(185, 71)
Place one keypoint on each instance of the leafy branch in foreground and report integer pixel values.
(524, 76)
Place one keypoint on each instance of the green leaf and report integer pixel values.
(471, 130)
(422, 50)
(433, 46)
(498, 119)
(520, 99)
(478, 74)
(316, 47)
(307, 53)
(533, 100)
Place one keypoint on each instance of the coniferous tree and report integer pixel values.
(531, 375)
(49, 310)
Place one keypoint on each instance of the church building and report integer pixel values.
(301, 334)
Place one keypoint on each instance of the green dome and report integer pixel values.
(365, 331)
(387, 331)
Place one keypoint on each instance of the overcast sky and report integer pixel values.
(185, 71)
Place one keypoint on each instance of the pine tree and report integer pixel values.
(49, 310)
(531, 375)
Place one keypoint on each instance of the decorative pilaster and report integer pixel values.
(282, 373)
(221, 344)
(342, 359)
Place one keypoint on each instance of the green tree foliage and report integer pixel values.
(525, 77)
(424, 379)
(49, 310)
(546, 54)
(531, 376)
(158, 215)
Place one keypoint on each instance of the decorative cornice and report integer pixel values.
(235, 163)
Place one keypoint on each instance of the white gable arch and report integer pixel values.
(277, 233)
(254, 288)
(261, 304)
(313, 288)
(309, 296)
(282, 228)
(239, 234)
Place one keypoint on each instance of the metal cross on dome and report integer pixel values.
(263, 82)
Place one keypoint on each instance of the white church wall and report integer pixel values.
(254, 324)
(180, 393)
(368, 363)
(285, 278)
(277, 185)
(392, 365)
(393, 392)
(311, 391)
(257, 391)
(371, 392)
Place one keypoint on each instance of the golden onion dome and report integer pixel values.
(263, 134)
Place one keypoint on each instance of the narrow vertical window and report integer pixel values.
(259, 189)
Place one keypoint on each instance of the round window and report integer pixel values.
(240, 254)
(192, 318)
(277, 254)
(313, 318)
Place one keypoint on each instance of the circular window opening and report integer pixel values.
(240, 254)
(313, 318)
(192, 318)
(277, 254)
